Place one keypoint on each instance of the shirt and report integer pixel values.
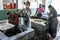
(53, 12)
(39, 10)
(26, 13)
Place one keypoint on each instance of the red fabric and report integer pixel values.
(13, 19)
(16, 21)
(11, 5)
(10, 19)
(8, 6)
(14, 5)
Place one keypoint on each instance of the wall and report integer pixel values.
(39, 2)
(48, 2)
(1, 6)
(43, 2)
(32, 5)
(56, 5)
(7, 1)
(20, 4)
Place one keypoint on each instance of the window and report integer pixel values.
(9, 4)
(56, 5)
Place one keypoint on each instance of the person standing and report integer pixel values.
(39, 11)
(26, 13)
(53, 22)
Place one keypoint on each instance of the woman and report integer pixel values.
(53, 22)
(26, 13)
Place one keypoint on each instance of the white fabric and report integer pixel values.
(22, 21)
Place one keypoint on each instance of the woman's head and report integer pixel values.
(8, 13)
(50, 7)
(27, 4)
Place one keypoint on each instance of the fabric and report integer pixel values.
(39, 10)
(53, 22)
(39, 15)
(26, 11)
(53, 27)
(53, 12)
(14, 5)
(26, 14)
(13, 19)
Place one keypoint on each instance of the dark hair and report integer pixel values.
(24, 3)
(17, 10)
(27, 3)
(50, 6)
(8, 13)
(40, 4)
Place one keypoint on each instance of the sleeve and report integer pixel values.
(10, 19)
(22, 13)
(53, 13)
(16, 20)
